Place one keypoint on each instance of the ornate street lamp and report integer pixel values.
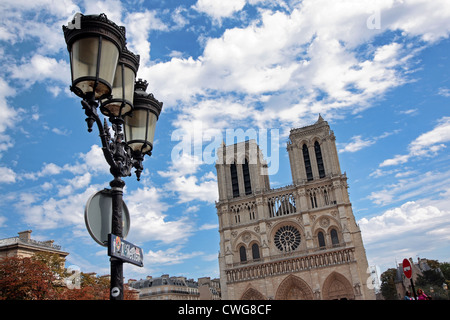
(121, 102)
(140, 125)
(103, 74)
(94, 50)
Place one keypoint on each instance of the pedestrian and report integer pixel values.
(408, 296)
(421, 295)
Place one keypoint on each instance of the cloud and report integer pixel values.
(170, 256)
(409, 217)
(359, 143)
(112, 8)
(426, 145)
(445, 92)
(139, 25)
(7, 175)
(42, 69)
(356, 144)
(406, 231)
(219, 9)
(287, 64)
(411, 186)
(50, 212)
(149, 221)
(190, 189)
(9, 114)
(93, 161)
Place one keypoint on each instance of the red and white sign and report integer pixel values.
(407, 270)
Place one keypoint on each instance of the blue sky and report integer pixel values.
(377, 71)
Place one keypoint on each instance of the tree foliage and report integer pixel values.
(26, 279)
(43, 277)
(387, 287)
(431, 281)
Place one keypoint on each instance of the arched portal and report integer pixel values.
(252, 294)
(337, 287)
(294, 288)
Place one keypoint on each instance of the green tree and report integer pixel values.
(431, 281)
(445, 268)
(387, 287)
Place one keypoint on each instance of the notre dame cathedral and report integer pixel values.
(300, 241)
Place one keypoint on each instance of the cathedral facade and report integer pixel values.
(300, 241)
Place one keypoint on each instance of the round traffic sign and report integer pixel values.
(407, 270)
(98, 216)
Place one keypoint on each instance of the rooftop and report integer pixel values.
(24, 238)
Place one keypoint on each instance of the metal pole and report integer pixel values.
(116, 289)
(413, 289)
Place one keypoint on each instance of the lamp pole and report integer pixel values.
(116, 289)
(103, 74)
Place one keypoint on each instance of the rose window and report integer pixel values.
(287, 238)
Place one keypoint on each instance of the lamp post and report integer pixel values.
(103, 74)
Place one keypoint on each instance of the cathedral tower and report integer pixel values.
(295, 242)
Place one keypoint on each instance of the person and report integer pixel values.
(421, 295)
(408, 296)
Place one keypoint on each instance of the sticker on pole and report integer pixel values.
(115, 292)
(407, 269)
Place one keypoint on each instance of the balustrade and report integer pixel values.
(292, 264)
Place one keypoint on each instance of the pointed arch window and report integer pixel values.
(313, 200)
(242, 254)
(234, 180)
(321, 239)
(307, 161)
(255, 251)
(334, 237)
(247, 182)
(319, 159)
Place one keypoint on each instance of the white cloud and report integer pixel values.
(50, 213)
(426, 145)
(7, 175)
(398, 159)
(412, 229)
(409, 17)
(189, 189)
(112, 8)
(139, 25)
(9, 115)
(359, 143)
(93, 161)
(409, 217)
(209, 226)
(445, 92)
(2, 221)
(170, 256)
(430, 142)
(149, 221)
(183, 180)
(42, 69)
(305, 54)
(410, 186)
(219, 9)
(356, 144)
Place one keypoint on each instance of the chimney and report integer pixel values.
(25, 235)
